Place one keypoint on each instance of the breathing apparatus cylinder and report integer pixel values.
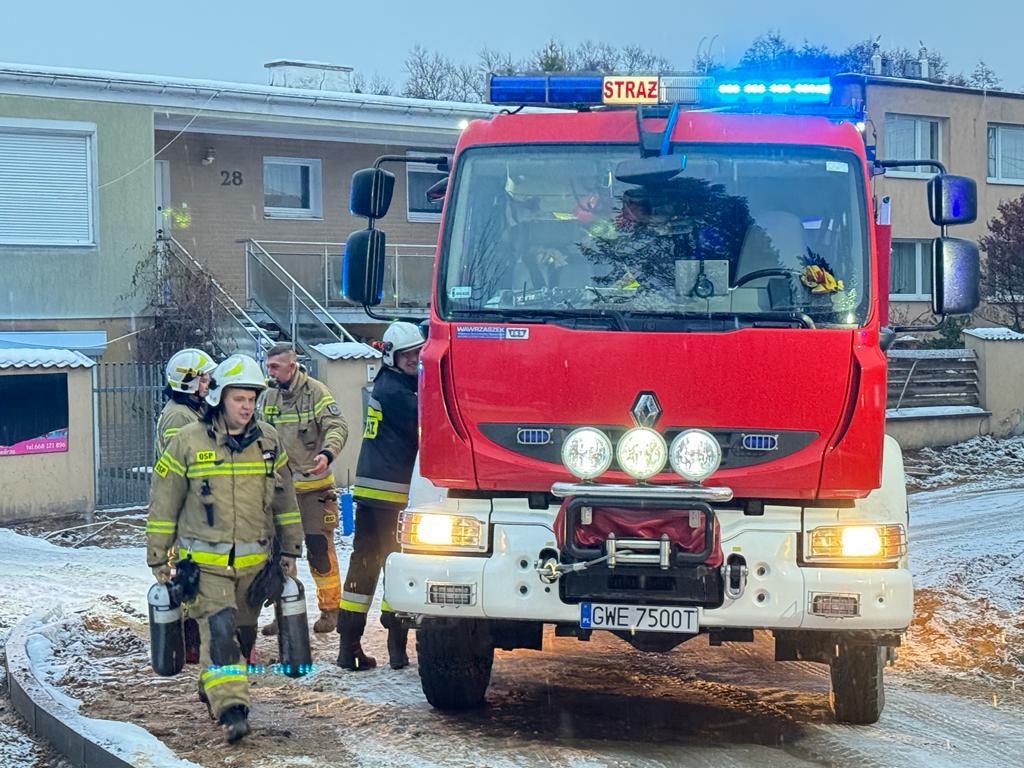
(166, 637)
(293, 630)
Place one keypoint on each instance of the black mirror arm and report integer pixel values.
(391, 318)
(919, 328)
(910, 164)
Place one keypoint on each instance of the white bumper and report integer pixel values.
(777, 595)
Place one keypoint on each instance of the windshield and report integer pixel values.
(749, 233)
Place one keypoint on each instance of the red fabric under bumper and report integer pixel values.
(627, 522)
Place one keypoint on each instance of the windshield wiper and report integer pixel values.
(800, 318)
(574, 318)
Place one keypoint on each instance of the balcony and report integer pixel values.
(316, 267)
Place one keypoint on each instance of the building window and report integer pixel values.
(1006, 154)
(292, 188)
(47, 183)
(910, 270)
(419, 177)
(911, 138)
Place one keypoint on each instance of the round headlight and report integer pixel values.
(641, 453)
(587, 453)
(695, 455)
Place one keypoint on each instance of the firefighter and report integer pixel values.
(188, 378)
(220, 495)
(381, 491)
(314, 432)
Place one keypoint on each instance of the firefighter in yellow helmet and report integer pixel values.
(187, 378)
(221, 493)
(313, 431)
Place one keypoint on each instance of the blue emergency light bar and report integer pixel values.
(699, 91)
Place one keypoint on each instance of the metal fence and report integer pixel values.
(127, 398)
(932, 378)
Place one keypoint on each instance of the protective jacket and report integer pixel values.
(173, 417)
(222, 498)
(309, 423)
(390, 440)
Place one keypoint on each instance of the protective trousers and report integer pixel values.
(225, 618)
(374, 540)
(319, 519)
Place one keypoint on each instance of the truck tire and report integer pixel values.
(455, 661)
(857, 695)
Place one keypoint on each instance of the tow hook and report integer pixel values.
(734, 573)
(550, 570)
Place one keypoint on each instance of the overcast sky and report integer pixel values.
(232, 40)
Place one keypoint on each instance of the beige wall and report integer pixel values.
(54, 484)
(914, 433)
(345, 379)
(221, 216)
(1000, 371)
(965, 116)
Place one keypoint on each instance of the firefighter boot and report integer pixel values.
(397, 637)
(191, 641)
(235, 720)
(327, 622)
(350, 655)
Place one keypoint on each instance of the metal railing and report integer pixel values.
(275, 289)
(239, 331)
(317, 267)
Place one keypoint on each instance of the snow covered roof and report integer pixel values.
(995, 334)
(346, 350)
(43, 358)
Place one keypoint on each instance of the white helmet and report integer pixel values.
(185, 367)
(236, 371)
(399, 337)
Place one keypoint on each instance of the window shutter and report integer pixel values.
(45, 189)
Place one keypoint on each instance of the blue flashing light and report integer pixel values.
(806, 91)
(545, 90)
(738, 91)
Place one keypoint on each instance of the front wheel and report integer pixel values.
(858, 690)
(455, 660)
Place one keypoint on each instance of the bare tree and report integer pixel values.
(634, 60)
(181, 303)
(1003, 279)
(377, 85)
(590, 56)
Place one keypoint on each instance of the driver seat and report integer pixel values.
(776, 240)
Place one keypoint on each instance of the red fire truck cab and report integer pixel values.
(652, 399)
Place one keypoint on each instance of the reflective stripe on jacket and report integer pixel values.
(222, 505)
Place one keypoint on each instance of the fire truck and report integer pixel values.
(652, 398)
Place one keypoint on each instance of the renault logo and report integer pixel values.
(646, 409)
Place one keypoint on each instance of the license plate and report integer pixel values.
(642, 618)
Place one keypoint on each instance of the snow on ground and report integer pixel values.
(979, 463)
(967, 556)
(955, 696)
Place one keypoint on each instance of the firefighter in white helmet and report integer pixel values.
(221, 494)
(386, 458)
(187, 379)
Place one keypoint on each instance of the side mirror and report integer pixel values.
(362, 270)
(650, 170)
(956, 276)
(372, 190)
(952, 199)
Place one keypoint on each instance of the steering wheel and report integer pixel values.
(757, 274)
